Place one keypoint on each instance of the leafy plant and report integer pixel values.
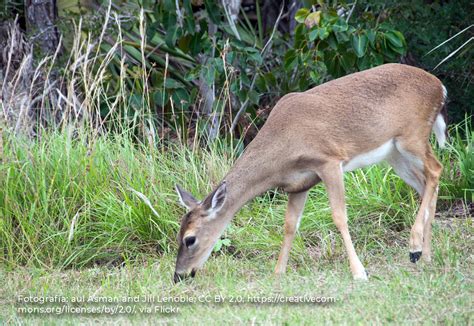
(426, 24)
(325, 37)
(188, 53)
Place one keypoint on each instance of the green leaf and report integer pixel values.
(226, 242)
(270, 79)
(333, 65)
(152, 29)
(253, 96)
(290, 60)
(304, 83)
(261, 83)
(189, 17)
(340, 26)
(359, 44)
(169, 20)
(378, 59)
(348, 60)
(209, 73)
(301, 15)
(161, 98)
(218, 245)
(256, 57)
(331, 41)
(341, 37)
(235, 86)
(169, 5)
(323, 33)
(395, 38)
(313, 34)
(212, 11)
(364, 63)
(195, 44)
(314, 76)
(400, 51)
(171, 36)
(371, 36)
(193, 74)
(172, 83)
(300, 36)
(181, 98)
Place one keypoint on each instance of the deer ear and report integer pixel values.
(216, 199)
(185, 198)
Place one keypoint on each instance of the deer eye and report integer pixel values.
(189, 241)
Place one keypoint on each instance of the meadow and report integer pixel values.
(88, 166)
(98, 216)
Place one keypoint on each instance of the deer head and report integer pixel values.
(200, 228)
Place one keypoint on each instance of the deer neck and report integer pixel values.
(250, 176)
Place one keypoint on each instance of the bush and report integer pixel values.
(180, 65)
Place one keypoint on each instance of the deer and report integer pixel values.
(386, 113)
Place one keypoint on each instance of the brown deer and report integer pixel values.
(384, 113)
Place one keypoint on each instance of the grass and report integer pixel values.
(82, 216)
(67, 201)
(398, 291)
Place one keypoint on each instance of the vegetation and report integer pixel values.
(397, 292)
(103, 218)
(67, 202)
(93, 141)
(189, 69)
(446, 19)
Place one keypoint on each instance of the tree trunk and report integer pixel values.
(41, 18)
(271, 10)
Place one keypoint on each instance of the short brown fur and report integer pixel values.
(309, 136)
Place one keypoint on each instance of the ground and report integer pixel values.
(397, 291)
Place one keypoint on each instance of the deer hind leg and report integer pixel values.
(417, 166)
(332, 176)
(293, 214)
(436, 168)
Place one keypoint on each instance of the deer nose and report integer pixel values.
(178, 277)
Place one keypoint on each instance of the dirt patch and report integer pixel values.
(459, 209)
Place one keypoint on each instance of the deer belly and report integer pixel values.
(300, 181)
(371, 157)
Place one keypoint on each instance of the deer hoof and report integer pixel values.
(415, 256)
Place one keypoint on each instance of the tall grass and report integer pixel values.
(68, 201)
(64, 203)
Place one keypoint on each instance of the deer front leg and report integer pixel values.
(293, 214)
(332, 176)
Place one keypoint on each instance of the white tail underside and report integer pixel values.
(439, 129)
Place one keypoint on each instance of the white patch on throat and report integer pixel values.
(371, 157)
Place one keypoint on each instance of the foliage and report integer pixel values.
(462, 147)
(10, 8)
(325, 39)
(425, 24)
(180, 48)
